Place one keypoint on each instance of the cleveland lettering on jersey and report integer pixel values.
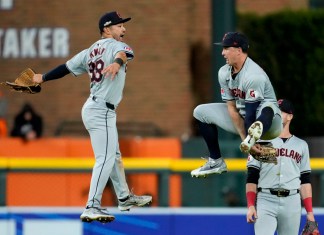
(236, 92)
(283, 152)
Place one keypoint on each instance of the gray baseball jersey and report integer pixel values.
(93, 60)
(99, 117)
(293, 160)
(250, 85)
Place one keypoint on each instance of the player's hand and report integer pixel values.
(256, 149)
(111, 70)
(38, 78)
(310, 216)
(251, 215)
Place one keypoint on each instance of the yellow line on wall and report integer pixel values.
(130, 163)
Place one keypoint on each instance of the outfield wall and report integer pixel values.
(140, 221)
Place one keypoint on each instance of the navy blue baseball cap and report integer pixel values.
(286, 106)
(111, 18)
(234, 39)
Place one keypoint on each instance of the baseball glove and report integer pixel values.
(24, 83)
(310, 228)
(268, 153)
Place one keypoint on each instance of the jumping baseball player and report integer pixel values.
(105, 62)
(273, 191)
(250, 111)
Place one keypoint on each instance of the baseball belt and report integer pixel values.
(279, 192)
(108, 105)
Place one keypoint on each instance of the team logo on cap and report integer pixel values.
(107, 23)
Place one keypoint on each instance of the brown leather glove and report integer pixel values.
(24, 83)
(310, 228)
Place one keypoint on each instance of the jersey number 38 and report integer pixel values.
(95, 69)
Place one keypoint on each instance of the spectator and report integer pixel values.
(28, 124)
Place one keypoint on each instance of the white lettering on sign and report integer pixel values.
(34, 43)
(6, 4)
(10, 44)
(27, 45)
(61, 43)
(44, 43)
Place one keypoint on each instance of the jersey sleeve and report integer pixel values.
(77, 64)
(254, 87)
(125, 48)
(305, 161)
(223, 78)
(251, 162)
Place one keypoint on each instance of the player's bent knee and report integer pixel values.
(198, 113)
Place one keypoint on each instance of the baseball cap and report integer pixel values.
(111, 18)
(286, 106)
(234, 39)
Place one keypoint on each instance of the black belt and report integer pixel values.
(279, 192)
(109, 105)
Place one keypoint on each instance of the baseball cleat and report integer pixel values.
(92, 213)
(105, 220)
(254, 134)
(212, 166)
(134, 200)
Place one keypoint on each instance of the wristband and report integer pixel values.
(308, 204)
(250, 197)
(119, 61)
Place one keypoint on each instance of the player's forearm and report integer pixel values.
(238, 121)
(251, 190)
(250, 187)
(120, 58)
(239, 125)
(306, 190)
(59, 72)
(306, 195)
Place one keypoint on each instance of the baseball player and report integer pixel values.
(250, 111)
(278, 188)
(105, 62)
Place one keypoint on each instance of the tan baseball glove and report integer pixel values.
(310, 228)
(24, 83)
(268, 153)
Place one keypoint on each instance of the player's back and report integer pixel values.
(100, 55)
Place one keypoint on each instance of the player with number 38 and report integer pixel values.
(105, 63)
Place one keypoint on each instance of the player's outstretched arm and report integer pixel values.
(59, 72)
(112, 69)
